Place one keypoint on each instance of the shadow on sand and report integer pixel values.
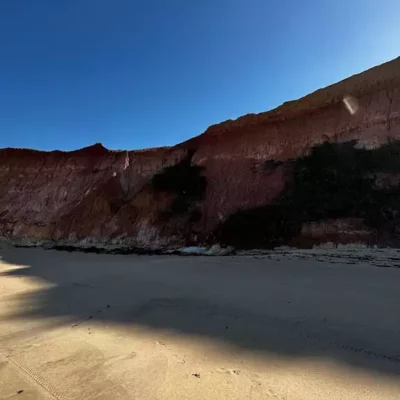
(291, 308)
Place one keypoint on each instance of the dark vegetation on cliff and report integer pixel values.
(187, 182)
(335, 180)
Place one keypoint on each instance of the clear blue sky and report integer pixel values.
(134, 74)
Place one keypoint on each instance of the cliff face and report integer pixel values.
(244, 182)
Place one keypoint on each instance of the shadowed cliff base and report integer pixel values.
(336, 180)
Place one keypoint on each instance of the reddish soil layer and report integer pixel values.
(102, 197)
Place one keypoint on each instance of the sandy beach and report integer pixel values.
(89, 326)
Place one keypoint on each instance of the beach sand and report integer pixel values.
(89, 326)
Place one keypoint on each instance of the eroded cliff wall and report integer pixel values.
(240, 182)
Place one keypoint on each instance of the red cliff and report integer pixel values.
(98, 197)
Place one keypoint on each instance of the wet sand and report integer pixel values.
(87, 326)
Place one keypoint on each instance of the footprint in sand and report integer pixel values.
(179, 360)
(119, 358)
(229, 371)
